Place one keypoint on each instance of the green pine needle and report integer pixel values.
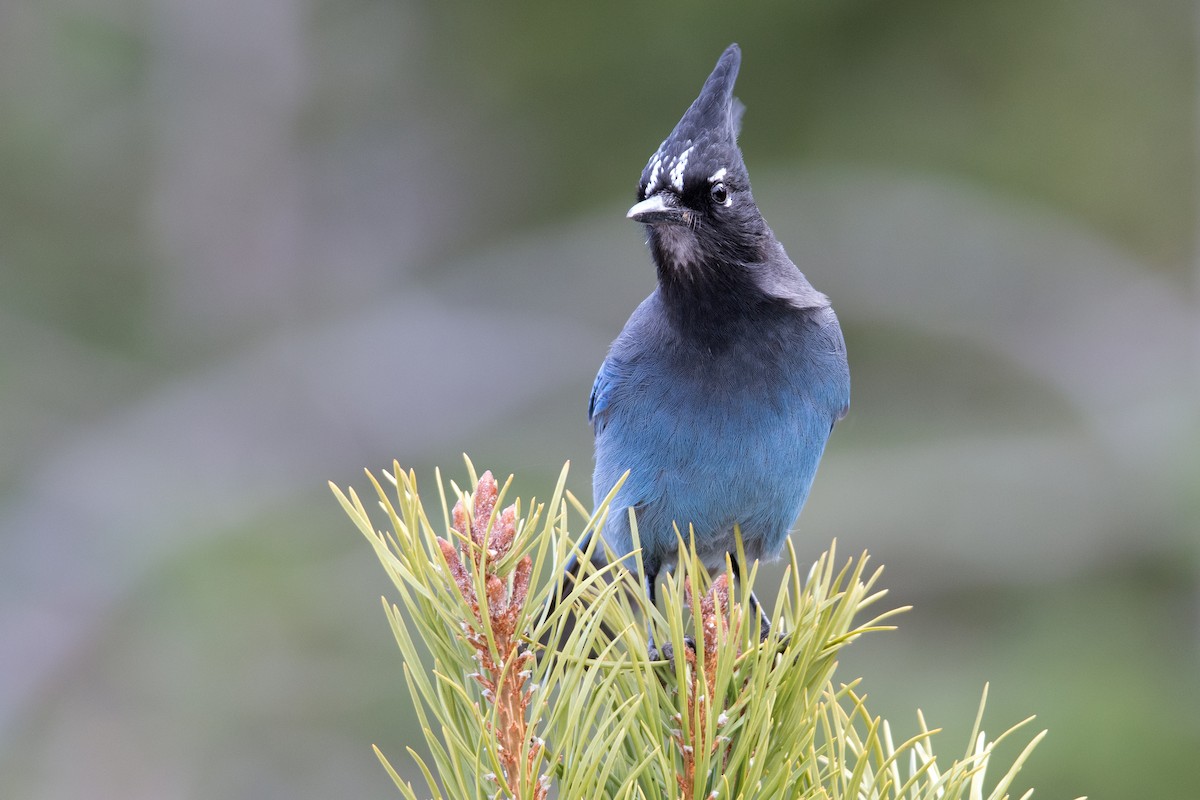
(592, 715)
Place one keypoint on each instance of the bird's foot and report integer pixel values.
(667, 652)
(779, 643)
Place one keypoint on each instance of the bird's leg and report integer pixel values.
(764, 622)
(668, 649)
(650, 584)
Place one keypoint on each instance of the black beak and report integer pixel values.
(661, 207)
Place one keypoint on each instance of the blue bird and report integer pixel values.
(720, 393)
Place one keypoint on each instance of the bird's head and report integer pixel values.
(694, 195)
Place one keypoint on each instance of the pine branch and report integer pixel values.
(505, 717)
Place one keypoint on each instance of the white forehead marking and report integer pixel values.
(652, 184)
(718, 175)
(677, 170)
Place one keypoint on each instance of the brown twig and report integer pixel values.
(717, 626)
(504, 674)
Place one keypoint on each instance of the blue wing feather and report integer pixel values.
(601, 393)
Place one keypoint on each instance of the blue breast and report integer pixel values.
(713, 438)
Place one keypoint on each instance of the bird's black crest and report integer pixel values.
(705, 139)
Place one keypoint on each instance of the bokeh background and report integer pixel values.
(247, 246)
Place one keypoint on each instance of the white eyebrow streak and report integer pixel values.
(718, 175)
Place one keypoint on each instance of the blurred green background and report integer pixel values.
(247, 246)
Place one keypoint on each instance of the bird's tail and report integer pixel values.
(567, 581)
(571, 568)
(570, 573)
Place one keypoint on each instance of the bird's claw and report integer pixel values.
(667, 652)
(779, 643)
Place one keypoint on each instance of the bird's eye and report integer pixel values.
(720, 194)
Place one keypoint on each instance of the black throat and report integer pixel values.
(716, 304)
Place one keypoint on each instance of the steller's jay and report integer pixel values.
(722, 389)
